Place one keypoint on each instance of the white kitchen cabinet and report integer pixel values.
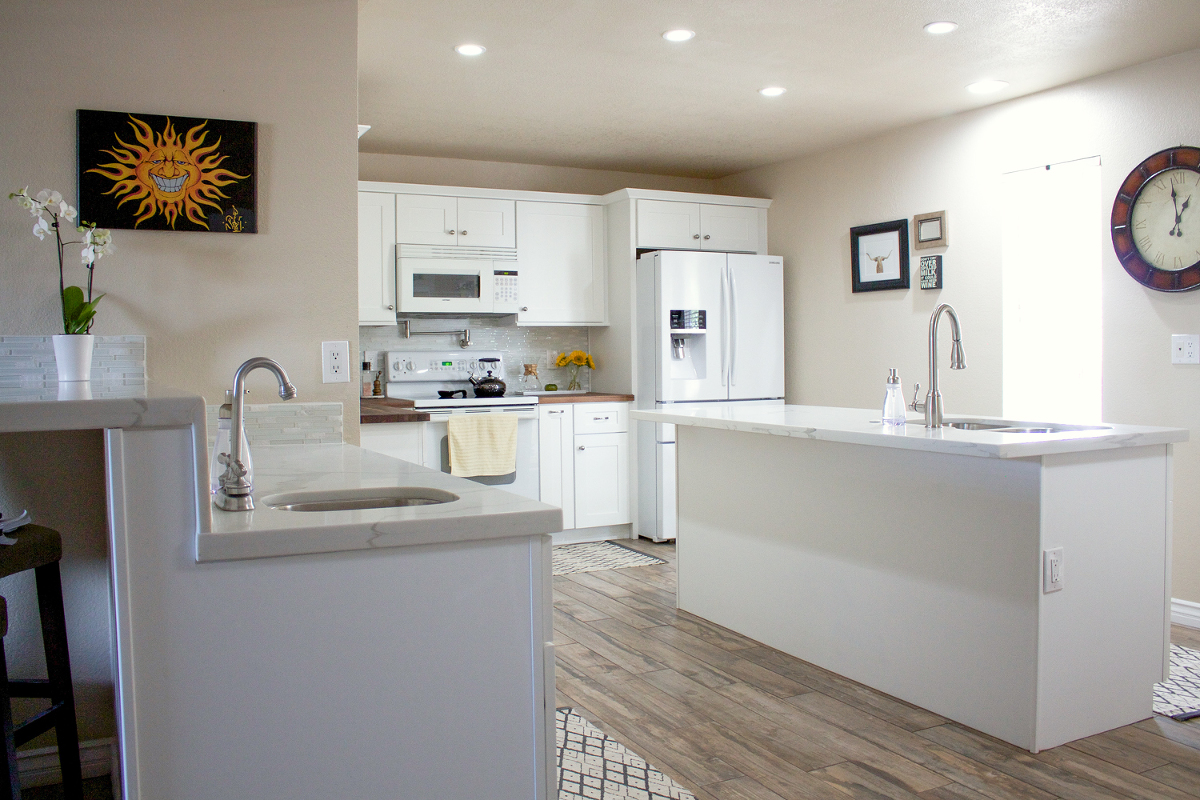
(402, 440)
(462, 221)
(601, 479)
(697, 226)
(561, 261)
(556, 467)
(376, 258)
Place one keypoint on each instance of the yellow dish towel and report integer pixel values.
(482, 444)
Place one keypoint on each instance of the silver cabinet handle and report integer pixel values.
(706, 236)
(449, 233)
(599, 419)
(581, 447)
(554, 412)
(524, 308)
(391, 308)
(462, 233)
(695, 236)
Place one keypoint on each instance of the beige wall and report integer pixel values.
(205, 302)
(840, 345)
(517, 177)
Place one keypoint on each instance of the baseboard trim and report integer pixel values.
(1185, 613)
(39, 766)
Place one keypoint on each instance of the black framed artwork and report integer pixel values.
(931, 272)
(879, 256)
(153, 172)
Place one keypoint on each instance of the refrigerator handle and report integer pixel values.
(733, 326)
(724, 325)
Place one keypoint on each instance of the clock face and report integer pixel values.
(1156, 221)
(1166, 220)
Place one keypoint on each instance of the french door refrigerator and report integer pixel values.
(709, 330)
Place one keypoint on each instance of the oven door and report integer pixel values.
(456, 286)
(524, 481)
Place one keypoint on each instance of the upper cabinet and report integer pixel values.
(376, 258)
(461, 221)
(697, 226)
(561, 264)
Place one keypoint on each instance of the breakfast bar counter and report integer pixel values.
(1016, 582)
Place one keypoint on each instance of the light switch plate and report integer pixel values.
(1052, 570)
(335, 362)
(1185, 348)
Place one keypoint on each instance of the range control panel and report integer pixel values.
(435, 365)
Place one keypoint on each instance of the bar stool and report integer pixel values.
(40, 550)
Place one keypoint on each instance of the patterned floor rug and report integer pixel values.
(1180, 697)
(593, 556)
(593, 766)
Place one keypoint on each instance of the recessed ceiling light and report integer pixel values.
(938, 28)
(987, 87)
(772, 91)
(363, 129)
(679, 35)
(470, 49)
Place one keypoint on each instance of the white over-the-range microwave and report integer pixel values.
(456, 280)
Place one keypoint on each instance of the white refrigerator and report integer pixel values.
(709, 330)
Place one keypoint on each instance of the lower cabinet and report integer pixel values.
(402, 440)
(585, 462)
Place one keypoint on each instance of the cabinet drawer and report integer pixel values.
(601, 418)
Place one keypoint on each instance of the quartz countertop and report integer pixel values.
(90, 405)
(862, 426)
(480, 513)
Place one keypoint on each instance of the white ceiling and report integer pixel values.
(591, 83)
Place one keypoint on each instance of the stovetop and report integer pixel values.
(417, 375)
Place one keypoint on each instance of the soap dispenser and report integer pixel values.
(893, 400)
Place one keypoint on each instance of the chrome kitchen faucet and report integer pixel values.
(933, 400)
(235, 489)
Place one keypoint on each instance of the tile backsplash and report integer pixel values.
(27, 362)
(285, 423)
(519, 345)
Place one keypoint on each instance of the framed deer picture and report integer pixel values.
(879, 256)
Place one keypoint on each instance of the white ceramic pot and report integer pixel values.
(73, 356)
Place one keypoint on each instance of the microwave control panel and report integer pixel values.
(505, 298)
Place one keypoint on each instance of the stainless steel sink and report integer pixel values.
(358, 499)
(1013, 426)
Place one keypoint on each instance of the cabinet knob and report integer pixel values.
(581, 447)
(450, 233)
(706, 236)
(462, 233)
(695, 236)
(524, 308)
(391, 308)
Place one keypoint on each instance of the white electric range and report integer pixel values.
(418, 375)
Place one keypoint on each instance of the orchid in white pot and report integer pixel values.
(73, 349)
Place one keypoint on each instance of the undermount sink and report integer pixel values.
(1010, 426)
(358, 499)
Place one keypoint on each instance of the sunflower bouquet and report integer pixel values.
(574, 360)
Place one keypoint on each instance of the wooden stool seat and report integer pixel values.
(40, 550)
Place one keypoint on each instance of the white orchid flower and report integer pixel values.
(102, 237)
(68, 212)
(41, 228)
(46, 197)
(88, 255)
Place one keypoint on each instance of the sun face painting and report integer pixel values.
(150, 172)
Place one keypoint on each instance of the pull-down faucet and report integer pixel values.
(933, 400)
(235, 488)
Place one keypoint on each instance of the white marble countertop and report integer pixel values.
(862, 426)
(90, 405)
(480, 513)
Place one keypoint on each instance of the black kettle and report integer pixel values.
(489, 385)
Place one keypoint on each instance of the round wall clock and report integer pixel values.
(1156, 221)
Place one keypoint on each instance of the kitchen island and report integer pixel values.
(278, 654)
(911, 560)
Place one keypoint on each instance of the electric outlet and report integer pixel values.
(1185, 348)
(335, 362)
(1052, 570)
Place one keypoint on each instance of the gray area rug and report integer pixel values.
(594, 556)
(593, 766)
(1179, 697)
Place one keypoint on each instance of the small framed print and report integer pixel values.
(879, 256)
(931, 272)
(929, 230)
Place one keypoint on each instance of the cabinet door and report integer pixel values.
(426, 219)
(730, 229)
(561, 264)
(486, 223)
(665, 223)
(556, 462)
(376, 258)
(602, 480)
(402, 440)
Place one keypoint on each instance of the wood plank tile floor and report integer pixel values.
(732, 719)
